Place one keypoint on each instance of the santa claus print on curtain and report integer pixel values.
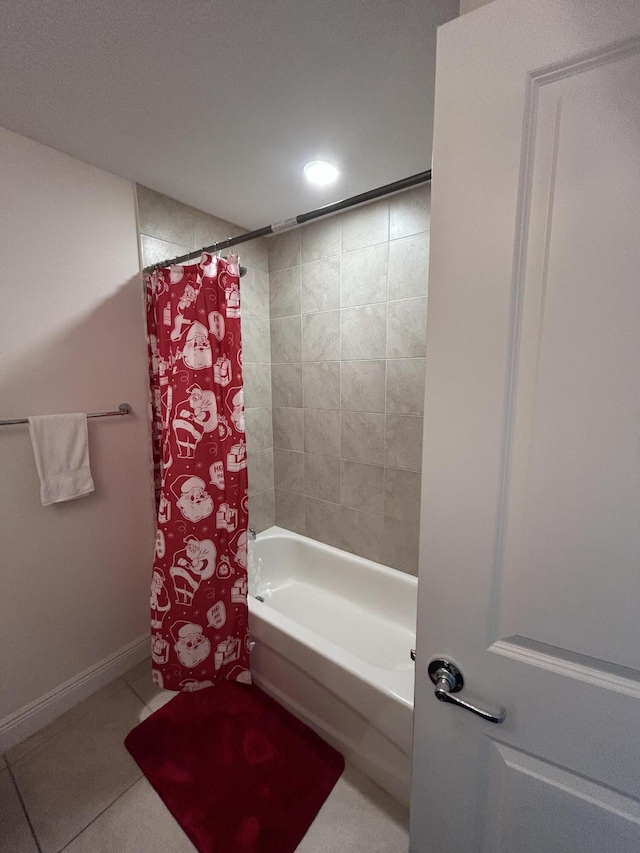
(199, 623)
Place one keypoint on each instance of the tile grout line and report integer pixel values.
(142, 776)
(125, 684)
(24, 807)
(106, 808)
(67, 725)
(302, 263)
(386, 382)
(137, 695)
(302, 361)
(386, 242)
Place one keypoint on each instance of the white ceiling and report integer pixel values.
(220, 104)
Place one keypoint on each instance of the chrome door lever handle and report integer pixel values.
(448, 679)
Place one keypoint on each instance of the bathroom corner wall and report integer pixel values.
(169, 228)
(348, 299)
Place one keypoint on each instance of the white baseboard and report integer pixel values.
(37, 714)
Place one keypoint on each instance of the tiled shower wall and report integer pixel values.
(169, 228)
(348, 300)
(339, 307)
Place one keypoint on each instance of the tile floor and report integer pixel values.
(74, 787)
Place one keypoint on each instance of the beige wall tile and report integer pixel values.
(321, 285)
(320, 239)
(405, 386)
(322, 432)
(322, 521)
(285, 292)
(258, 425)
(290, 511)
(154, 251)
(321, 385)
(208, 229)
(402, 494)
(409, 266)
(256, 342)
(287, 385)
(257, 385)
(363, 386)
(255, 254)
(365, 226)
(403, 442)
(288, 429)
(407, 328)
(363, 332)
(260, 471)
(362, 438)
(286, 339)
(284, 250)
(364, 276)
(354, 373)
(345, 261)
(322, 477)
(262, 511)
(254, 293)
(409, 212)
(288, 470)
(362, 486)
(165, 218)
(362, 533)
(401, 545)
(321, 336)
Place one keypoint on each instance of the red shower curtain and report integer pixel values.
(199, 623)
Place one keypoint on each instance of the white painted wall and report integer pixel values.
(470, 5)
(74, 576)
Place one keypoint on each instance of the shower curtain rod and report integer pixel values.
(370, 195)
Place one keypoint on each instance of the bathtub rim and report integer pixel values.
(392, 683)
(275, 532)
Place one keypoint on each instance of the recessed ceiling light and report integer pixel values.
(321, 172)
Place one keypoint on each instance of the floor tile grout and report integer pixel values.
(141, 698)
(106, 808)
(65, 727)
(142, 776)
(128, 807)
(24, 808)
(125, 684)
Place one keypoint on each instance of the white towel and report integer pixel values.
(61, 448)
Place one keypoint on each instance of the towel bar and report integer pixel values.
(124, 409)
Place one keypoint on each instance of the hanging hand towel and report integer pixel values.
(61, 448)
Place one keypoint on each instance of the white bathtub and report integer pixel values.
(333, 642)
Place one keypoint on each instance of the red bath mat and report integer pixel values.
(237, 771)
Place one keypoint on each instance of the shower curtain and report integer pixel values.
(199, 621)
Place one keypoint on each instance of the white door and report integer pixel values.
(530, 540)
